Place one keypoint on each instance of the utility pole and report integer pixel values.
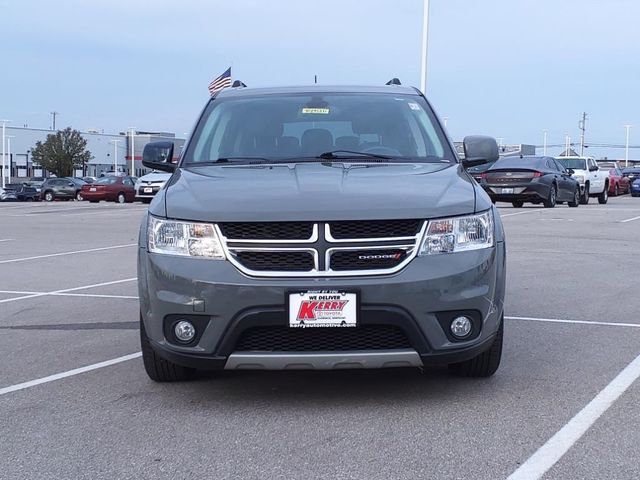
(544, 143)
(626, 148)
(4, 123)
(582, 125)
(425, 42)
(54, 113)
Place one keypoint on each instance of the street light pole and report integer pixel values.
(544, 143)
(626, 148)
(133, 152)
(9, 137)
(115, 156)
(4, 123)
(425, 41)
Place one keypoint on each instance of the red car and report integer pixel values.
(116, 189)
(617, 183)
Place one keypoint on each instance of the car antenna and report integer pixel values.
(393, 81)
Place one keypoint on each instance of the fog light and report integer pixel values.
(185, 331)
(461, 327)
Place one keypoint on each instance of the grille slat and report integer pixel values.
(292, 261)
(360, 229)
(267, 230)
(285, 339)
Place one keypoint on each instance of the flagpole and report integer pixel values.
(425, 44)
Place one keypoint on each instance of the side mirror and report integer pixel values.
(479, 149)
(159, 156)
(593, 168)
(71, 184)
(570, 171)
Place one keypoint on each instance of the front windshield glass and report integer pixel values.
(573, 163)
(286, 127)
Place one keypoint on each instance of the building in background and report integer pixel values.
(109, 151)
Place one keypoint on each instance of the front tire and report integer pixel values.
(121, 198)
(585, 196)
(158, 369)
(550, 202)
(616, 190)
(517, 204)
(79, 196)
(576, 198)
(604, 196)
(485, 364)
(48, 197)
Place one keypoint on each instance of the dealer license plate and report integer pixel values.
(92, 189)
(507, 190)
(148, 190)
(322, 308)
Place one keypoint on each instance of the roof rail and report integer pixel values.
(238, 83)
(393, 81)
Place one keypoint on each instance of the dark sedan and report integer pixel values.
(530, 179)
(632, 173)
(24, 192)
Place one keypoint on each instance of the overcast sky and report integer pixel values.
(500, 67)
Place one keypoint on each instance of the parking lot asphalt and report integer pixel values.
(68, 300)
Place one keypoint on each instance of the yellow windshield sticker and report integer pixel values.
(316, 111)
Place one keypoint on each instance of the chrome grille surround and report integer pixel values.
(322, 245)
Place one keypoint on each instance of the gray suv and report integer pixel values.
(320, 228)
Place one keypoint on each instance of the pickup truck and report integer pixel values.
(594, 181)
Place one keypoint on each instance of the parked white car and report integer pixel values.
(148, 185)
(594, 181)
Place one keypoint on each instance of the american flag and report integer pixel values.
(221, 82)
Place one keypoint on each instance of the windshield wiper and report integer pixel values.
(335, 155)
(227, 160)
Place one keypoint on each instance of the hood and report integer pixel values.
(155, 177)
(317, 192)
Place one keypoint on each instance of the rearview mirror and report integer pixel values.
(479, 149)
(159, 156)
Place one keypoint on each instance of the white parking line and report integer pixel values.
(584, 322)
(6, 240)
(629, 219)
(522, 213)
(24, 259)
(555, 448)
(53, 294)
(69, 373)
(42, 294)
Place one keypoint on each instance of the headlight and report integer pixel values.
(186, 239)
(137, 185)
(458, 234)
(579, 178)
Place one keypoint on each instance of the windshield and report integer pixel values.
(273, 127)
(573, 163)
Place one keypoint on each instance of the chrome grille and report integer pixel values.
(321, 249)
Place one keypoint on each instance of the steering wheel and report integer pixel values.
(382, 151)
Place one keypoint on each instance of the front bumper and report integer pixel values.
(227, 303)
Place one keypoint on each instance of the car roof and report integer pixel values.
(259, 91)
